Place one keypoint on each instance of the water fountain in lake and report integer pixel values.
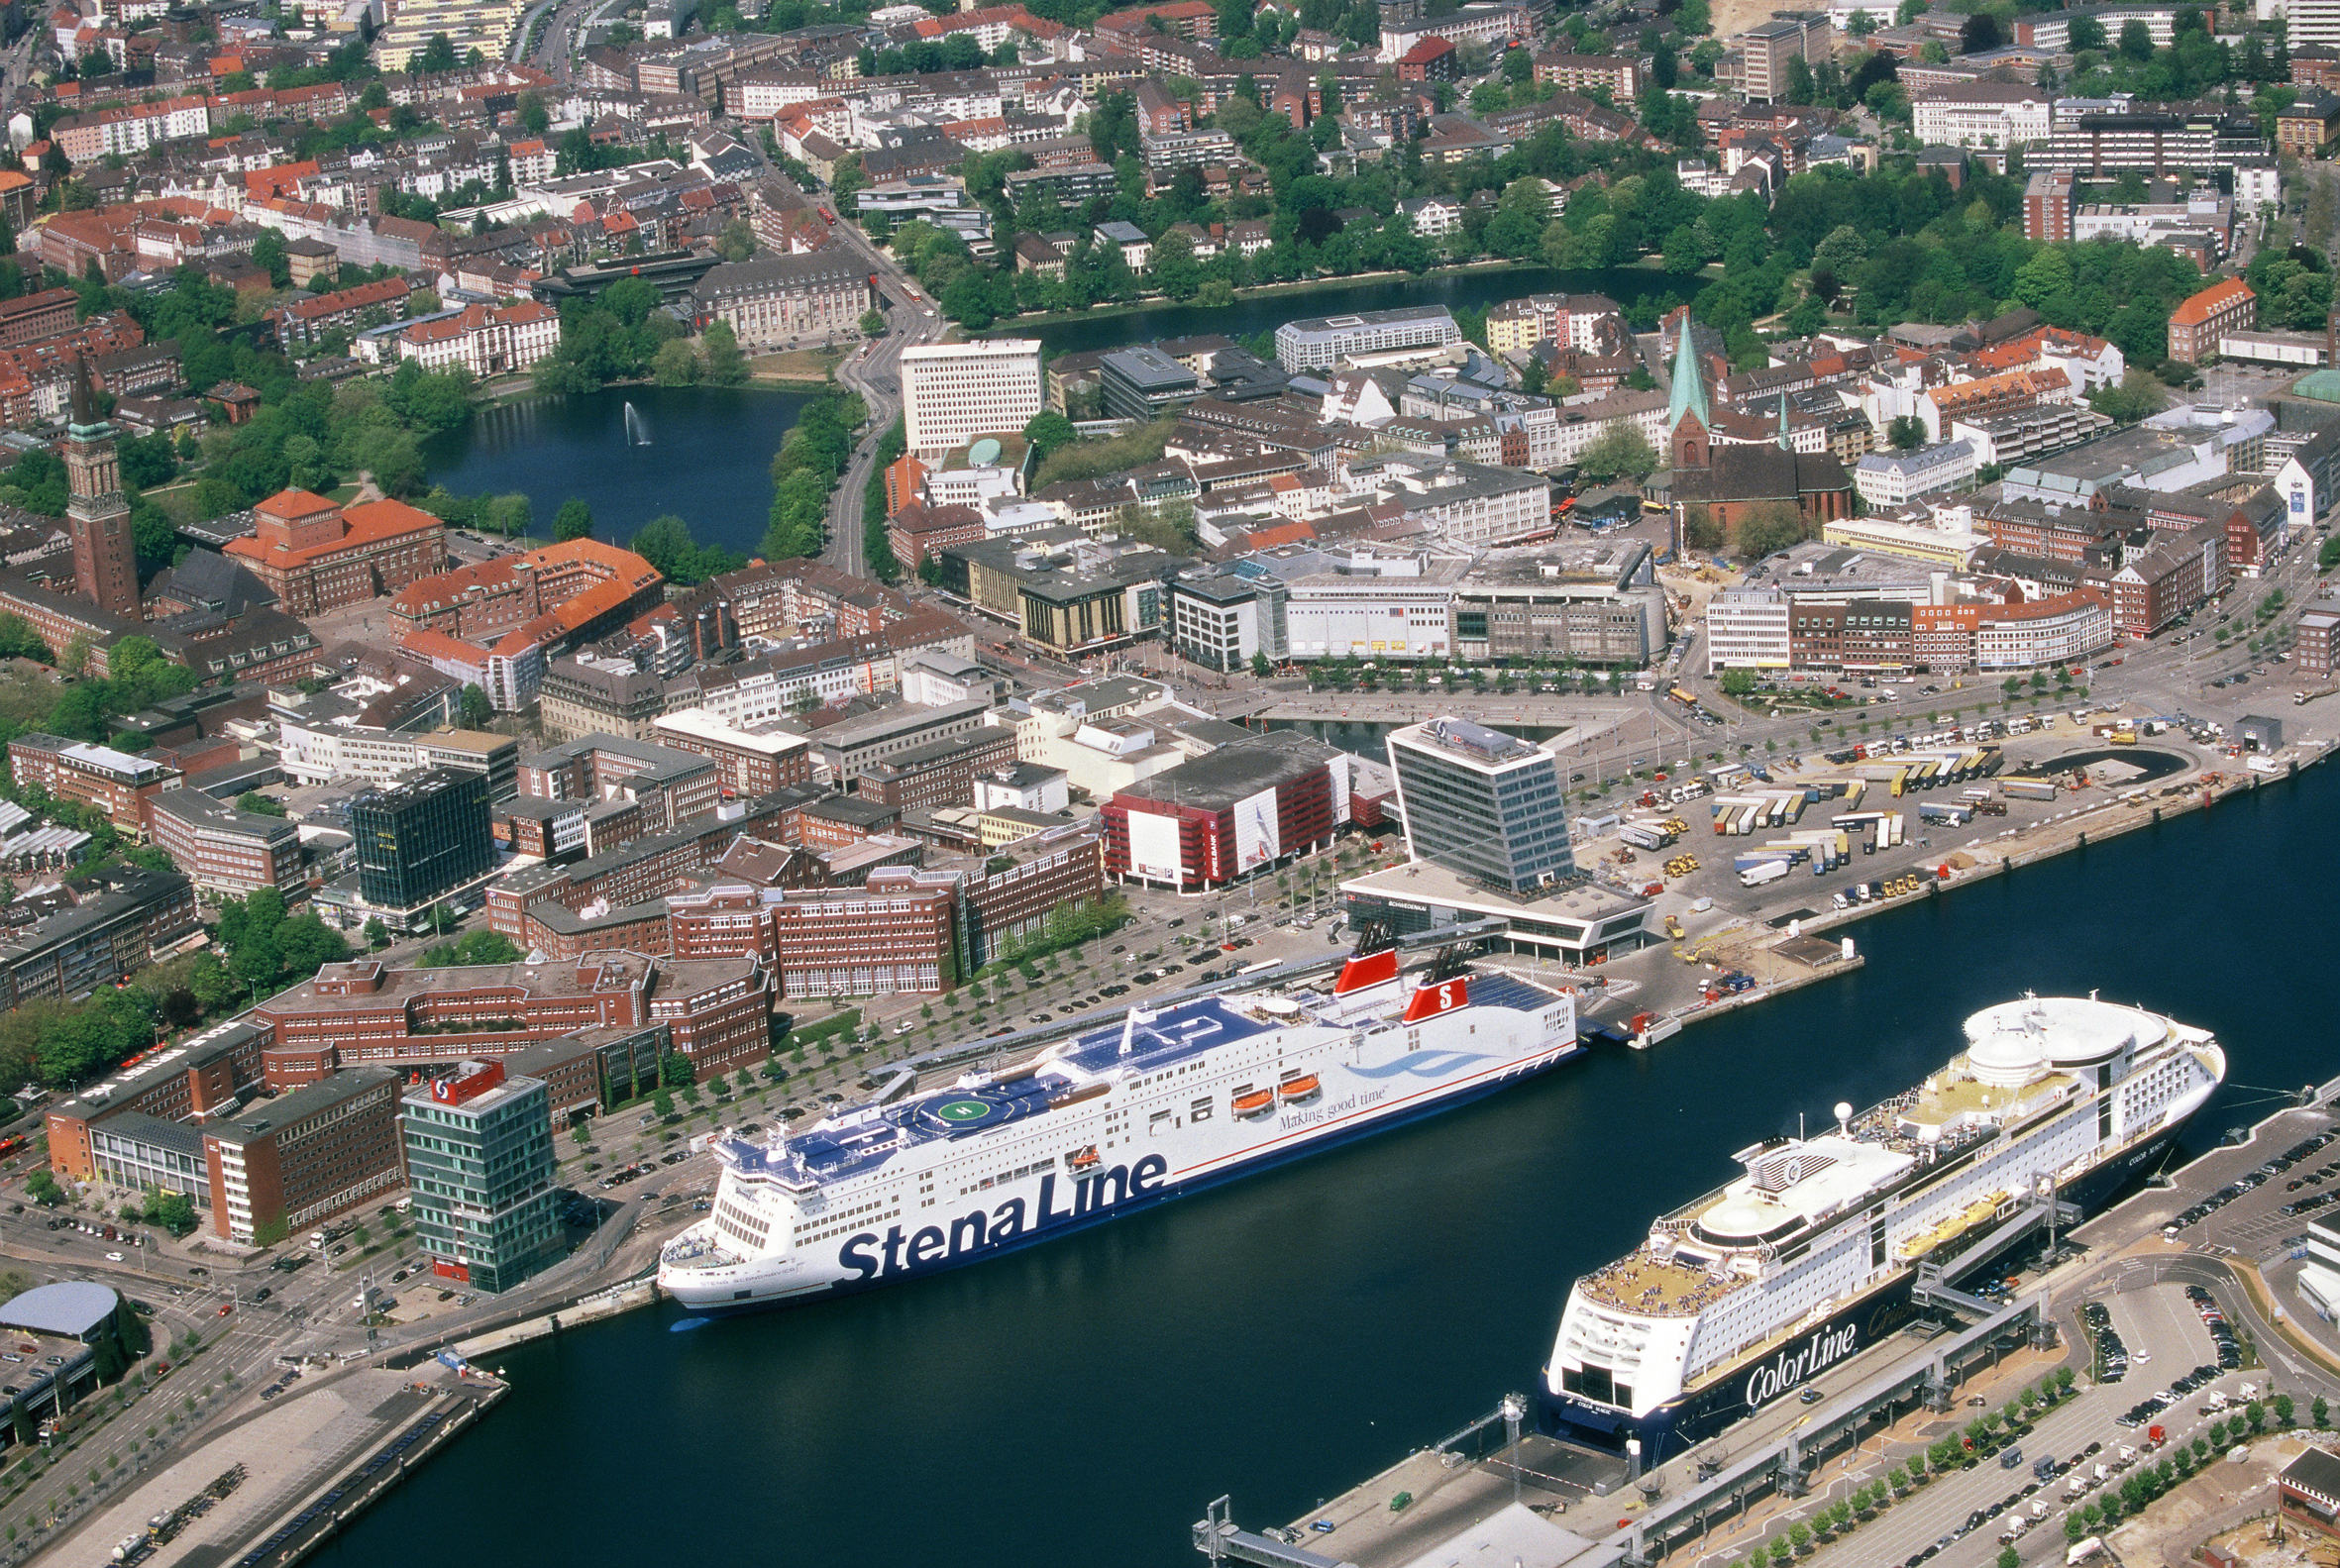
(637, 433)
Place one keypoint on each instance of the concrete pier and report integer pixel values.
(311, 1461)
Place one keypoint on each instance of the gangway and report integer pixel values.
(1217, 1538)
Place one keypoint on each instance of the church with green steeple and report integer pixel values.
(1688, 422)
(1728, 479)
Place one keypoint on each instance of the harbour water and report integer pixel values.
(1286, 1336)
(703, 453)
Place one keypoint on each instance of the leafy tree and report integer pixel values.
(377, 935)
(259, 805)
(437, 54)
(726, 366)
(575, 520)
(2137, 396)
(665, 543)
(477, 712)
(1907, 433)
(873, 324)
(675, 364)
(1619, 450)
(1048, 430)
(475, 949)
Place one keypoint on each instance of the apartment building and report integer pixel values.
(670, 786)
(589, 693)
(1766, 48)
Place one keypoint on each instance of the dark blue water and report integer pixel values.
(708, 457)
(1283, 1340)
(1265, 312)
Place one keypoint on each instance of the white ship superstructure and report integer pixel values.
(1746, 1292)
(1102, 1124)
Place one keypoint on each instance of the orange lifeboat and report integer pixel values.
(1255, 1103)
(1300, 1090)
(1085, 1159)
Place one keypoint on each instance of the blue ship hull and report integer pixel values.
(1153, 1197)
(1693, 1417)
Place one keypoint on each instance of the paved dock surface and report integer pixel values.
(291, 1451)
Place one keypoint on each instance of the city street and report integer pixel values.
(874, 372)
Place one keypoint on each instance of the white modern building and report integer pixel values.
(1374, 606)
(1322, 341)
(1980, 114)
(953, 392)
(1747, 629)
(1892, 479)
(2059, 631)
(1486, 804)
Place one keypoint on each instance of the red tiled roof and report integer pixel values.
(2193, 311)
(369, 523)
(438, 645)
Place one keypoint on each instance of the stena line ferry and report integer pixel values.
(1739, 1298)
(1107, 1123)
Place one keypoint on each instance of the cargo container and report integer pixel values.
(1757, 876)
(1947, 812)
(2028, 788)
(1645, 835)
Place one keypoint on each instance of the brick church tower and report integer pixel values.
(105, 565)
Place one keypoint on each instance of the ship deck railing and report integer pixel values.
(697, 1252)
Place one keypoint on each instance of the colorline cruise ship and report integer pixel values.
(1103, 1124)
(1742, 1296)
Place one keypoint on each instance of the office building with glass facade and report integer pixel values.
(1484, 804)
(479, 1164)
(422, 838)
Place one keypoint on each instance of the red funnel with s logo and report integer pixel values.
(1440, 997)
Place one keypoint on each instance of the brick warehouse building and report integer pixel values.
(226, 851)
(1237, 810)
(305, 1155)
(718, 1012)
(197, 1077)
